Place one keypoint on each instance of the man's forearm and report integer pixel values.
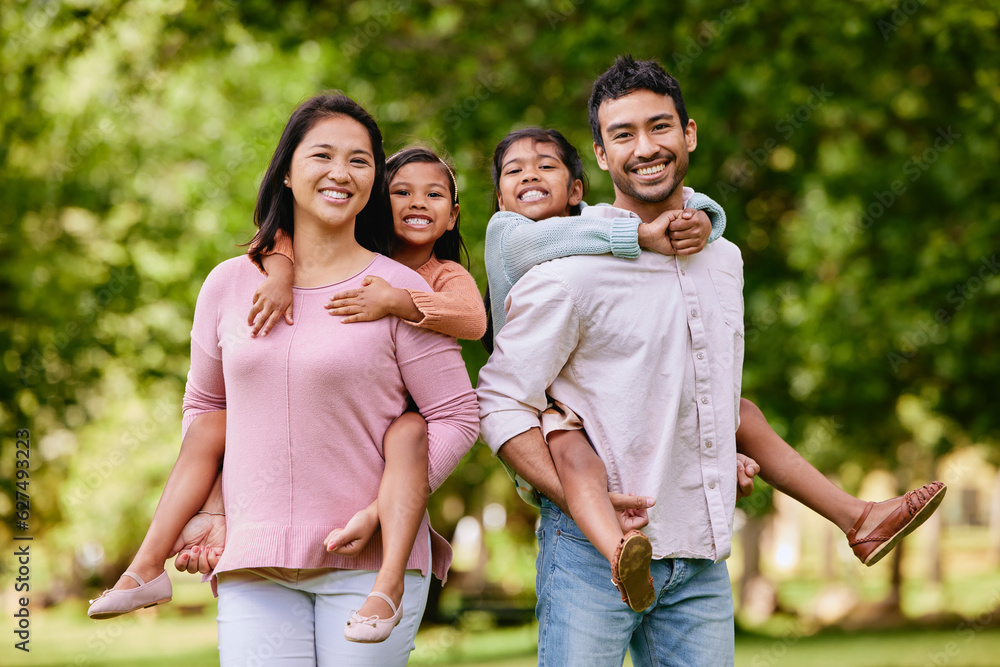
(528, 454)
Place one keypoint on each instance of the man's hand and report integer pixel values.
(631, 510)
(689, 231)
(352, 538)
(746, 470)
(200, 544)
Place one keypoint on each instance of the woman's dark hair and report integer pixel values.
(567, 154)
(450, 246)
(566, 151)
(626, 76)
(373, 227)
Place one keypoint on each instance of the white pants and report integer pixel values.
(296, 618)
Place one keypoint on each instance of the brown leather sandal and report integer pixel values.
(630, 570)
(917, 507)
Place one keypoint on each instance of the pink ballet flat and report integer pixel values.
(372, 629)
(113, 602)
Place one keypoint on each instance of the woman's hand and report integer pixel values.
(352, 538)
(200, 544)
(689, 232)
(372, 301)
(274, 296)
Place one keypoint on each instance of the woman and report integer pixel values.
(307, 406)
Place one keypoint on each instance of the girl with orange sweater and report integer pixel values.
(423, 196)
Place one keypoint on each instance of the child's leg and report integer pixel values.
(187, 487)
(585, 483)
(402, 502)
(786, 470)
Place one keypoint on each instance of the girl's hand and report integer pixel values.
(690, 231)
(372, 301)
(274, 296)
(352, 538)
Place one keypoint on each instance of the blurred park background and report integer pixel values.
(853, 145)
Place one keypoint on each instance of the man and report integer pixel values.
(649, 354)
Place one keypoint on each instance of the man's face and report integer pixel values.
(645, 147)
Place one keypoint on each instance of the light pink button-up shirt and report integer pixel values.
(649, 353)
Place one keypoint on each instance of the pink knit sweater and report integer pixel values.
(307, 408)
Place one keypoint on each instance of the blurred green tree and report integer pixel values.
(849, 143)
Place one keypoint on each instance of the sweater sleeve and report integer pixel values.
(282, 246)
(715, 213)
(515, 243)
(435, 376)
(206, 388)
(455, 307)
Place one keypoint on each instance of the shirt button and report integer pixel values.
(711, 485)
(704, 400)
(701, 355)
(683, 273)
(708, 444)
(694, 313)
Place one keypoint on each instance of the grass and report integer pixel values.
(63, 636)
(184, 632)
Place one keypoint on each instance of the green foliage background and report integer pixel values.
(852, 144)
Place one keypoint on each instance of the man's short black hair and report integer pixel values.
(626, 76)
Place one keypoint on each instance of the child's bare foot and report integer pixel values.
(882, 525)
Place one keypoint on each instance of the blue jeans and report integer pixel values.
(583, 621)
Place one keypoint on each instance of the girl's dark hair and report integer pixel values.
(373, 227)
(567, 154)
(566, 151)
(450, 246)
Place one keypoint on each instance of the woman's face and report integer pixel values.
(422, 208)
(535, 183)
(332, 173)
